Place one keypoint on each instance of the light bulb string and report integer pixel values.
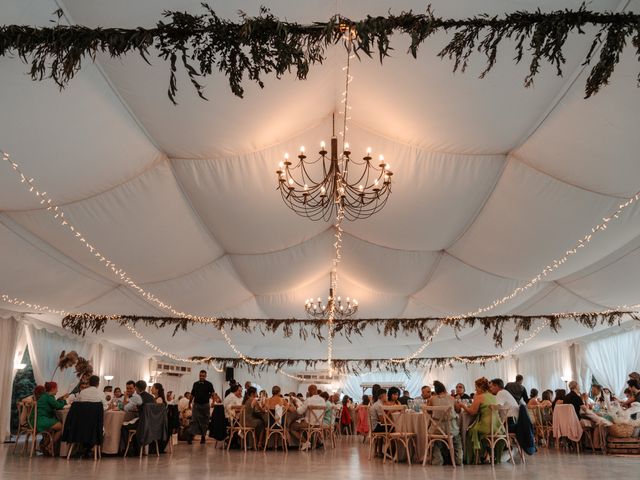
(508, 351)
(58, 214)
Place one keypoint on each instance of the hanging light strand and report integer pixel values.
(556, 263)
(511, 350)
(111, 266)
(419, 350)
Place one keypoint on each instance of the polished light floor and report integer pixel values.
(348, 461)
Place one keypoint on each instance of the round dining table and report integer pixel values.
(113, 421)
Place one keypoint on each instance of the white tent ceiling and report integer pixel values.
(492, 181)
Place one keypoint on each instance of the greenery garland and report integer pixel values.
(256, 46)
(348, 365)
(421, 327)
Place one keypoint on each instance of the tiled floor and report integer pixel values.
(348, 461)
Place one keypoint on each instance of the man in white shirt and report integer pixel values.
(92, 394)
(315, 418)
(183, 403)
(503, 397)
(233, 398)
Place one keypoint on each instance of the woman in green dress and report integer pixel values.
(46, 419)
(475, 448)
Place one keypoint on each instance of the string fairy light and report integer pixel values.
(203, 360)
(556, 263)
(508, 351)
(170, 355)
(419, 350)
(58, 214)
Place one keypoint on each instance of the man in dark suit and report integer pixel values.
(574, 397)
(517, 390)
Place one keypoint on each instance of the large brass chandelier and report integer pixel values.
(316, 188)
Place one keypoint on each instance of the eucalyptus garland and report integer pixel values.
(348, 328)
(347, 365)
(256, 46)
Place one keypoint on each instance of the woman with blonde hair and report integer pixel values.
(477, 433)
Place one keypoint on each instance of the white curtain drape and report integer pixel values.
(612, 358)
(544, 369)
(45, 347)
(9, 332)
(122, 364)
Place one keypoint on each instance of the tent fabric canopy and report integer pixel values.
(492, 181)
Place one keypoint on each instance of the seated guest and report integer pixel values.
(92, 394)
(376, 412)
(504, 398)
(129, 391)
(107, 391)
(634, 376)
(425, 393)
(139, 398)
(362, 414)
(533, 398)
(476, 435)
(393, 395)
(404, 399)
(253, 414)
(574, 397)
(329, 410)
(441, 399)
(517, 390)
(46, 419)
(596, 397)
(232, 382)
(313, 400)
(183, 403)
(234, 398)
(559, 397)
(117, 394)
(157, 390)
(546, 399)
(460, 393)
(276, 399)
(73, 396)
(634, 388)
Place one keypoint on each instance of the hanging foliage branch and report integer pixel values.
(347, 365)
(348, 328)
(257, 46)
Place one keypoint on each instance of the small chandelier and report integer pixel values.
(319, 310)
(315, 188)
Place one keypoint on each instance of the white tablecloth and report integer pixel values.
(113, 420)
(412, 422)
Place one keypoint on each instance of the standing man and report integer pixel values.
(201, 393)
(517, 389)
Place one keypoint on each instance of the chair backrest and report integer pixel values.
(499, 420)
(152, 424)
(315, 414)
(84, 423)
(25, 407)
(274, 420)
(32, 418)
(237, 415)
(437, 420)
(535, 413)
(390, 416)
